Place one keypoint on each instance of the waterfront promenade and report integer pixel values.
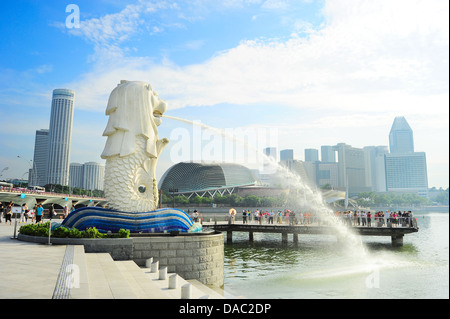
(30, 271)
(41, 271)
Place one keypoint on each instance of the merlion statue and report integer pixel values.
(133, 147)
(132, 150)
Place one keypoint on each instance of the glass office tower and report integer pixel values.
(401, 136)
(38, 174)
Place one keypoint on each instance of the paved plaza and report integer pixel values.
(34, 271)
(28, 270)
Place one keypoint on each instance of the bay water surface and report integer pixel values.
(319, 267)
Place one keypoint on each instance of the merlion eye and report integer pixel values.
(142, 189)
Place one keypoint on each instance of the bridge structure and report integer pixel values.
(31, 198)
(396, 233)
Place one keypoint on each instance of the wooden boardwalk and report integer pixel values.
(396, 233)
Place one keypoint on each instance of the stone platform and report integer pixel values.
(41, 271)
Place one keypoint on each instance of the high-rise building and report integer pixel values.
(60, 136)
(88, 176)
(401, 136)
(38, 173)
(287, 158)
(406, 170)
(76, 173)
(311, 155)
(375, 167)
(94, 176)
(352, 168)
(327, 173)
(328, 154)
(287, 155)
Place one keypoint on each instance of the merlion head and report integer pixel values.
(134, 109)
(132, 148)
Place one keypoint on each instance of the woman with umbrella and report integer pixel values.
(232, 213)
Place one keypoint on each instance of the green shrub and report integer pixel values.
(123, 233)
(64, 232)
(35, 229)
(92, 233)
(75, 233)
(61, 232)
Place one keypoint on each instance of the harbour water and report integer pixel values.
(319, 268)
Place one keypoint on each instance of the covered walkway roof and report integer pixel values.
(31, 199)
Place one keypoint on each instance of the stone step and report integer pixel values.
(142, 285)
(72, 282)
(109, 279)
(212, 294)
(80, 288)
(106, 280)
(196, 292)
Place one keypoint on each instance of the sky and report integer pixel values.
(291, 74)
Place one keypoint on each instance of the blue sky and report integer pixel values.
(314, 72)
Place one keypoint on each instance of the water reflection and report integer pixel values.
(316, 267)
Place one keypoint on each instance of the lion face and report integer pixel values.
(159, 107)
(134, 109)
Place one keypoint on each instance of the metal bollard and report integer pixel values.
(186, 291)
(163, 273)
(173, 281)
(148, 262)
(155, 266)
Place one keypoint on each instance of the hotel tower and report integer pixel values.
(60, 136)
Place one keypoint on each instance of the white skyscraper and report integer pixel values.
(76, 175)
(60, 136)
(88, 176)
(94, 176)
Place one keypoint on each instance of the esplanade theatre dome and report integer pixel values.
(190, 177)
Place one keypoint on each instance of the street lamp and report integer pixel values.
(31, 167)
(173, 191)
(5, 169)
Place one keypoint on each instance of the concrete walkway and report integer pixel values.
(28, 270)
(38, 271)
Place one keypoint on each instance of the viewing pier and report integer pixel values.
(395, 232)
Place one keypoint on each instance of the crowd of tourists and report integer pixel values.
(356, 218)
(275, 217)
(377, 219)
(25, 214)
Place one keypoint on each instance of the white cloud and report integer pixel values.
(370, 53)
(275, 4)
(115, 28)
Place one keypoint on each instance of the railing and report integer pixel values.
(313, 220)
(36, 192)
(381, 221)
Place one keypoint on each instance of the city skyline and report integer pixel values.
(320, 72)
